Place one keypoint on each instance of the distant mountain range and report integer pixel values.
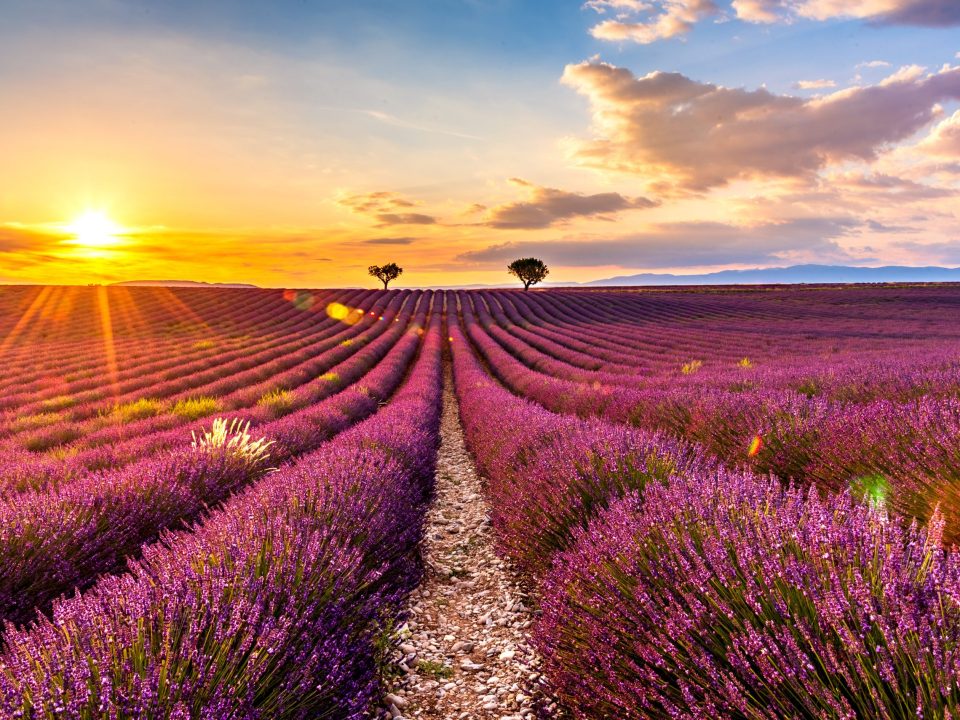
(794, 274)
(180, 283)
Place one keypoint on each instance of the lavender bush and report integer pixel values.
(728, 596)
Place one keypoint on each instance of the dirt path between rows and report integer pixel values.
(463, 654)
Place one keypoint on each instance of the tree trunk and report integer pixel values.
(385, 283)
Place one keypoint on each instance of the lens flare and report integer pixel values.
(873, 488)
(755, 446)
(344, 314)
(338, 311)
(301, 299)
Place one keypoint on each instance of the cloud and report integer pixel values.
(944, 139)
(879, 227)
(405, 219)
(383, 206)
(389, 241)
(925, 13)
(375, 202)
(698, 135)
(622, 5)
(549, 206)
(938, 252)
(645, 23)
(814, 84)
(757, 11)
(873, 64)
(886, 188)
(15, 238)
(685, 244)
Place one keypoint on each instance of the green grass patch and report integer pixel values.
(35, 421)
(60, 402)
(434, 669)
(123, 413)
(811, 388)
(195, 408)
(278, 401)
(51, 438)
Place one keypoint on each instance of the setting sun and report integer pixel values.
(94, 229)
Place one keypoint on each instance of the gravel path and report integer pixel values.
(463, 653)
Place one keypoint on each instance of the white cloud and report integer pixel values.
(647, 22)
(814, 84)
(944, 139)
(698, 135)
(661, 20)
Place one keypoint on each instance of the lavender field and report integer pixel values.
(727, 502)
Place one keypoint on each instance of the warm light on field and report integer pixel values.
(95, 230)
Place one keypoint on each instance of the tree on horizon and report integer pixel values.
(530, 271)
(385, 273)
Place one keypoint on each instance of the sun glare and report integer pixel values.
(94, 229)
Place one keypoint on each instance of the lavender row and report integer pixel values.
(141, 353)
(895, 371)
(557, 473)
(672, 587)
(903, 454)
(21, 470)
(274, 607)
(53, 541)
(728, 596)
(223, 388)
(177, 378)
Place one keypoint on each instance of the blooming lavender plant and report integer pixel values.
(727, 595)
(268, 609)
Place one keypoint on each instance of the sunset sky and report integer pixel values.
(296, 143)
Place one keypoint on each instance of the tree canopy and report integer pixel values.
(385, 273)
(530, 271)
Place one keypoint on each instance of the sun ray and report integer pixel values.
(180, 308)
(106, 333)
(36, 305)
(126, 312)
